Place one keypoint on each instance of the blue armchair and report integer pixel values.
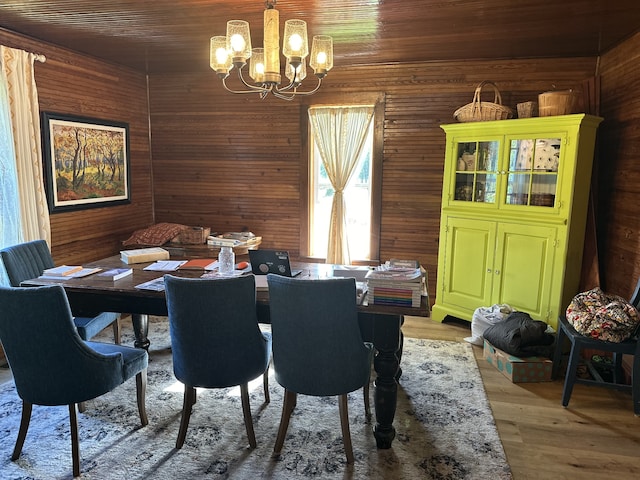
(28, 260)
(317, 345)
(57, 367)
(215, 340)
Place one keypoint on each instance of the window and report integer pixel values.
(358, 204)
(362, 194)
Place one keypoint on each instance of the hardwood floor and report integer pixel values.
(596, 437)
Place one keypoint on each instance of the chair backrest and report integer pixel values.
(635, 297)
(215, 338)
(51, 365)
(317, 344)
(26, 260)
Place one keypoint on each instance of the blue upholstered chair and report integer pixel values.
(317, 345)
(215, 340)
(580, 343)
(28, 260)
(52, 365)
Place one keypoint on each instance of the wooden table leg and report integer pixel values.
(387, 342)
(141, 330)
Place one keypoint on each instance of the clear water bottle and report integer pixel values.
(226, 261)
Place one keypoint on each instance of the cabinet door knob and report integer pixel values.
(488, 270)
(497, 272)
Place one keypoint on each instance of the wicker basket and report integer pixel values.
(192, 236)
(478, 111)
(527, 109)
(561, 102)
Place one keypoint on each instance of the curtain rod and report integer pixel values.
(35, 56)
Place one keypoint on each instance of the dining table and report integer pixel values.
(379, 324)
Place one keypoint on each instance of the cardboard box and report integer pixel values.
(518, 370)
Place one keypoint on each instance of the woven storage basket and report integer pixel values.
(561, 102)
(527, 109)
(479, 111)
(192, 236)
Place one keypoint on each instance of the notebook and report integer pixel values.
(271, 261)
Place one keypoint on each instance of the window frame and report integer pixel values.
(306, 191)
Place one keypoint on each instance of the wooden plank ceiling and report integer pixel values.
(156, 36)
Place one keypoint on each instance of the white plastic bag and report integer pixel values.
(483, 318)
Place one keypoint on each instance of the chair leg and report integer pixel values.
(187, 404)
(344, 423)
(367, 402)
(572, 369)
(117, 332)
(141, 393)
(557, 355)
(246, 410)
(635, 382)
(290, 399)
(24, 426)
(75, 443)
(616, 364)
(82, 406)
(265, 385)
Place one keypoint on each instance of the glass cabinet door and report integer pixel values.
(476, 171)
(532, 176)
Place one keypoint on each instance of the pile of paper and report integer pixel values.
(233, 239)
(396, 284)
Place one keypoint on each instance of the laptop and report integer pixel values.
(271, 261)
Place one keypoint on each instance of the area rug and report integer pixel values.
(445, 428)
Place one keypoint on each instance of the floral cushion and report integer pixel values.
(603, 316)
(155, 235)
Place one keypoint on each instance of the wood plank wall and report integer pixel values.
(619, 168)
(75, 84)
(232, 162)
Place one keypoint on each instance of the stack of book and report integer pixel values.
(65, 272)
(143, 255)
(234, 239)
(397, 284)
(115, 274)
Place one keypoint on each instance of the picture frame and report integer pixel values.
(86, 162)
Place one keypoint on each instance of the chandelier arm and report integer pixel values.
(296, 91)
(259, 90)
(252, 87)
(277, 94)
(288, 87)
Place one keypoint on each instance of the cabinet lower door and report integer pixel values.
(523, 268)
(468, 263)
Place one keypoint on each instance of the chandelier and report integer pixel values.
(234, 49)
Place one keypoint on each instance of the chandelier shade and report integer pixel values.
(234, 50)
(322, 54)
(219, 58)
(238, 40)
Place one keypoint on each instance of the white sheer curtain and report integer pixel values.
(18, 76)
(10, 226)
(340, 133)
(24, 214)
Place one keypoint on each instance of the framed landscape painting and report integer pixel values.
(86, 162)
